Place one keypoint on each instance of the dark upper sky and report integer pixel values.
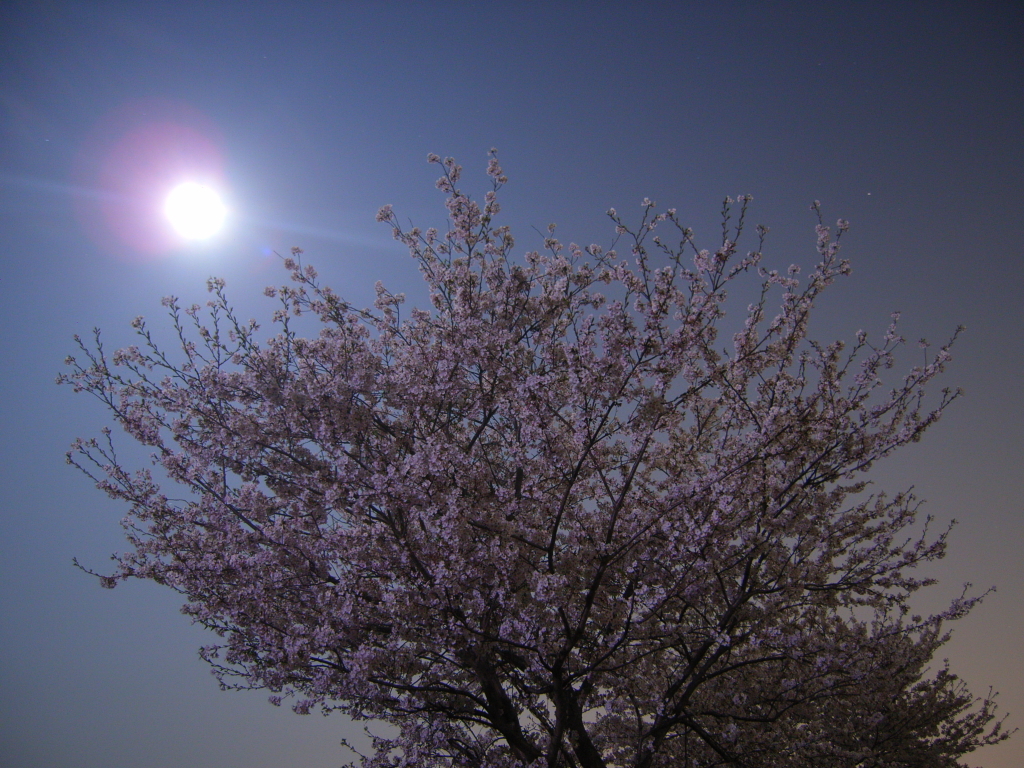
(905, 118)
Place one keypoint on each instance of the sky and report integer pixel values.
(907, 119)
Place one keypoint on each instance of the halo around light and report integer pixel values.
(195, 210)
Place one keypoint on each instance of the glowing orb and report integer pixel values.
(195, 211)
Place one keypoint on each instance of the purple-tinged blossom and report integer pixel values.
(519, 522)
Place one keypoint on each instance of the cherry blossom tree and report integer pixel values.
(556, 519)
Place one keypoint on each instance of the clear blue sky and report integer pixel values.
(905, 118)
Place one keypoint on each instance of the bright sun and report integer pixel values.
(195, 211)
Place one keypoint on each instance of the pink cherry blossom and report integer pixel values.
(555, 519)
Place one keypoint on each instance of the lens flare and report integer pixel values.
(130, 160)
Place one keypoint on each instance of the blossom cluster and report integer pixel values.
(551, 520)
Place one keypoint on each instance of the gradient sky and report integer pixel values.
(905, 118)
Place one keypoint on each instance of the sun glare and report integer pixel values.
(195, 211)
